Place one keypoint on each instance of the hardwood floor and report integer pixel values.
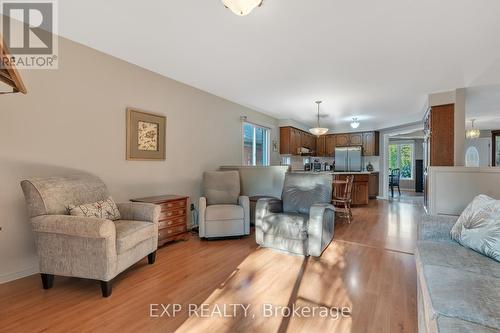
(369, 268)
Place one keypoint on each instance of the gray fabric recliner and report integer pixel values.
(223, 212)
(303, 221)
(87, 247)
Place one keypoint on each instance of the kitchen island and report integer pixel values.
(365, 184)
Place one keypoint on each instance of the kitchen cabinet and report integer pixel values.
(308, 140)
(291, 139)
(285, 136)
(330, 145)
(371, 144)
(373, 181)
(303, 140)
(341, 140)
(355, 139)
(295, 142)
(359, 193)
(320, 145)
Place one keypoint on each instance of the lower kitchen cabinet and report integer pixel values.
(359, 188)
(373, 185)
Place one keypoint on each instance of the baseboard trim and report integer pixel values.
(4, 278)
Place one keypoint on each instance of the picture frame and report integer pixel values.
(146, 136)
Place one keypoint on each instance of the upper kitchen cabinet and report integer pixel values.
(291, 139)
(341, 140)
(308, 140)
(371, 144)
(368, 140)
(320, 145)
(355, 139)
(295, 141)
(330, 143)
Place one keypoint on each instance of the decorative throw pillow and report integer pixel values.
(478, 228)
(105, 209)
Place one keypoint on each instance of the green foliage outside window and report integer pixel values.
(401, 157)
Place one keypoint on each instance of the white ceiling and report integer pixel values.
(376, 60)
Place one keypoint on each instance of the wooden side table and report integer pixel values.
(172, 224)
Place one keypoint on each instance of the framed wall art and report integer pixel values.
(146, 134)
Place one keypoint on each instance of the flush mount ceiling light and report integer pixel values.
(242, 7)
(354, 123)
(318, 130)
(472, 133)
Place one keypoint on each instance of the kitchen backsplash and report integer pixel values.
(297, 162)
(374, 160)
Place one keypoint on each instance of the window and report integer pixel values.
(255, 145)
(401, 157)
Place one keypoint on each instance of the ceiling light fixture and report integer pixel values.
(354, 123)
(318, 130)
(472, 133)
(242, 7)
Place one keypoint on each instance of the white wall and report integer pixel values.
(451, 189)
(74, 119)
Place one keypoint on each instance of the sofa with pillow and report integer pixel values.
(80, 232)
(458, 272)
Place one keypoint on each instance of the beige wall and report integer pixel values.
(74, 119)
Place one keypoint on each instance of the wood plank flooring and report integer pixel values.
(369, 268)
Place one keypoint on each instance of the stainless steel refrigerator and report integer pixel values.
(348, 159)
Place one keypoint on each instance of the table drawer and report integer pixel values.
(181, 220)
(167, 232)
(170, 213)
(173, 205)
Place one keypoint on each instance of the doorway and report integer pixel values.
(402, 163)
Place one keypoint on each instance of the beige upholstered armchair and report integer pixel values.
(222, 211)
(87, 247)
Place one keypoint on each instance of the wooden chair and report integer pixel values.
(342, 197)
(394, 181)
